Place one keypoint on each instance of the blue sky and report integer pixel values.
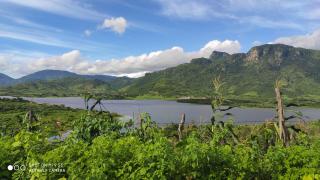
(124, 37)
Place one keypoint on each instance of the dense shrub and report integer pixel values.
(115, 151)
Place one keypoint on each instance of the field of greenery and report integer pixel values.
(101, 146)
(14, 111)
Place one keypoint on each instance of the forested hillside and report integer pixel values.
(247, 75)
(71, 86)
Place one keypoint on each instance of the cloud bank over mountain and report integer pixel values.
(132, 66)
(310, 40)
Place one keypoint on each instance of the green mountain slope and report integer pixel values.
(247, 75)
(57, 74)
(120, 82)
(70, 86)
(5, 80)
(60, 83)
(45, 75)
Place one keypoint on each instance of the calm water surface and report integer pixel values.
(170, 111)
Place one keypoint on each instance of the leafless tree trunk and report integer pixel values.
(181, 126)
(282, 128)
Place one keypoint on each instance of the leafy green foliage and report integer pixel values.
(13, 116)
(92, 125)
(102, 147)
(105, 149)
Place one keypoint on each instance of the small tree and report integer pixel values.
(218, 99)
(31, 121)
(96, 123)
(148, 129)
(217, 103)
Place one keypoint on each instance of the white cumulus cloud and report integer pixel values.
(118, 24)
(68, 61)
(224, 46)
(310, 40)
(132, 66)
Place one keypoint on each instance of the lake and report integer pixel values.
(165, 112)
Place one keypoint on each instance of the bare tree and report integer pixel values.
(181, 126)
(282, 130)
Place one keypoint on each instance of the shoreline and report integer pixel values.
(240, 103)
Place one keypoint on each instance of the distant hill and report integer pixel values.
(53, 75)
(57, 74)
(61, 83)
(248, 75)
(5, 80)
(69, 86)
(46, 75)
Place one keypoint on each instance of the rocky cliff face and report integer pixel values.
(218, 54)
(275, 54)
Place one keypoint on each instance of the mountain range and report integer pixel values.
(50, 75)
(246, 76)
(61, 83)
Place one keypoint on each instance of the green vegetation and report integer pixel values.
(103, 148)
(57, 83)
(250, 77)
(65, 87)
(13, 112)
(50, 75)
